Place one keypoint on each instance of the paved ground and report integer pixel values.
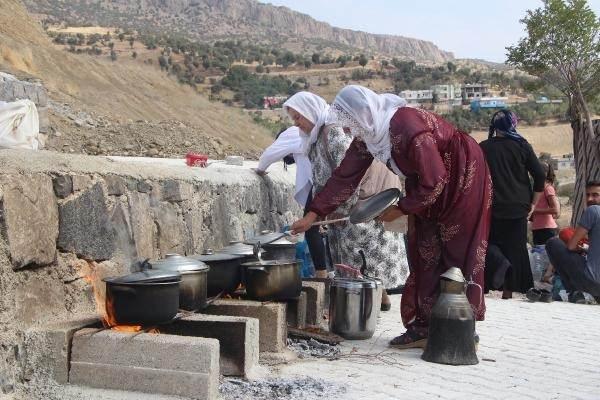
(527, 351)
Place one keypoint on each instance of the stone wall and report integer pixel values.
(12, 89)
(64, 216)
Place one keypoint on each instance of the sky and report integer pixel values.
(468, 28)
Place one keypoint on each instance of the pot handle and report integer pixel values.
(256, 250)
(262, 269)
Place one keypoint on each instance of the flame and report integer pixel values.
(104, 307)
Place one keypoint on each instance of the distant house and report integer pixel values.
(417, 96)
(273, 101)
(488, 102)
(475, 90)
(567, 161)
(545, 100)
(447, 93)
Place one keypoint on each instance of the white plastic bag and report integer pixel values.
(19, 125)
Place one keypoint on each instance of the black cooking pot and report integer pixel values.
(143, 298)
(225, 274)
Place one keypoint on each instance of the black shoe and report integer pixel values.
(386, 306)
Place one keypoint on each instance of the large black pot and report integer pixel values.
(273, 280)
(194, 276)
(224, 275)
(143, 298)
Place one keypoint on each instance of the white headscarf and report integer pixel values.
(368, 116)
(313, 108)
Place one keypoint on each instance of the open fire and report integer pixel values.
(89, 272)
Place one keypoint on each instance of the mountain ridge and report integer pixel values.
(239, 19)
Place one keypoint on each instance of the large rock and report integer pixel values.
(84, 226)
(171, 229)
(29, 219)
(142, 224)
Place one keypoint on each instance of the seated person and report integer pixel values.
(577, 264)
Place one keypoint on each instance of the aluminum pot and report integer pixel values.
(193, 288)
(225, 273)
(248, 251)
(273, 279)
(354, 306)
(143, 298)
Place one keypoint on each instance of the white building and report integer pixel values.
(417, 96)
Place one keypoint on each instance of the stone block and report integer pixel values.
(115, 185)
(315, 302)
(144, 187)
(296, 312)
(84, 227)
(175, 191)
(52, 344)
(44, 119)
(238, 339)
(171, 229)
(81, 182)
(151, 363)
(29, 219)
(63, 186)
(271, 319)
(142, 224)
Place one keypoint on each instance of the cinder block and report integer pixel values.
(238, 338)
(146, 362)
(271, 317)
(315, 302)
(296, 312)
(57, 345)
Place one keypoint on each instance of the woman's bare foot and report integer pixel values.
(386, 302)
(321, 273)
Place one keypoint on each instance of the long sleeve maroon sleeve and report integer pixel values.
(427, 184)
(344, 181)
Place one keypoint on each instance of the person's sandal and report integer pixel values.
(386, 306)
(533, 295)
(409, 340)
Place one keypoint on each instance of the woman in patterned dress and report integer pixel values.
(448, 196)
(326, 145)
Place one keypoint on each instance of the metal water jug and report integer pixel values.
(452, 324)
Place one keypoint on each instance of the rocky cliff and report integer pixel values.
(247, 19)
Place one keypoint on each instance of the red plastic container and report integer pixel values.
(196, 160)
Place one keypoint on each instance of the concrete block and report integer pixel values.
(146, 362)
(315, 302)
(29, 219)
(53, 344)
(238, 339)
(296, 312)
(84, 228)
(271, 317)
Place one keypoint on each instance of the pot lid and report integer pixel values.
(269, 263)
(355, 283)
(179, 263)
(209, 255)
(239, 249)
(268, 237)
(368, 210)
(148, 276)
(453, 274)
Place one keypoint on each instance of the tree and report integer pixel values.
(113, 55)
(316, 58)
(307, 64)
(562, 47)
(131, 40)
(363, 60)
(451, 67)
(134, 55)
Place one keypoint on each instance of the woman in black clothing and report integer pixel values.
(511, 161)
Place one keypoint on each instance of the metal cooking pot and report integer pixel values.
(247, 251)
(192, 291)
(225, 273)
(143, 298)
(273, 280)
(276, 246)
(354, 306)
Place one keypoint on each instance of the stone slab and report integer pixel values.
(238, 339)
(146, 362)
(63, 186)
(296, 312)
(29, 219)
(84, 226)
(55, 341)
(315, 303)
(271, 317)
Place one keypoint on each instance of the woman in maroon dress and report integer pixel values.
(448, 196)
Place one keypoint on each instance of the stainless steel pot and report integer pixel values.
(354, 306)
(273, 279)
(247, 251)
(192, 290)
(276, 246)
